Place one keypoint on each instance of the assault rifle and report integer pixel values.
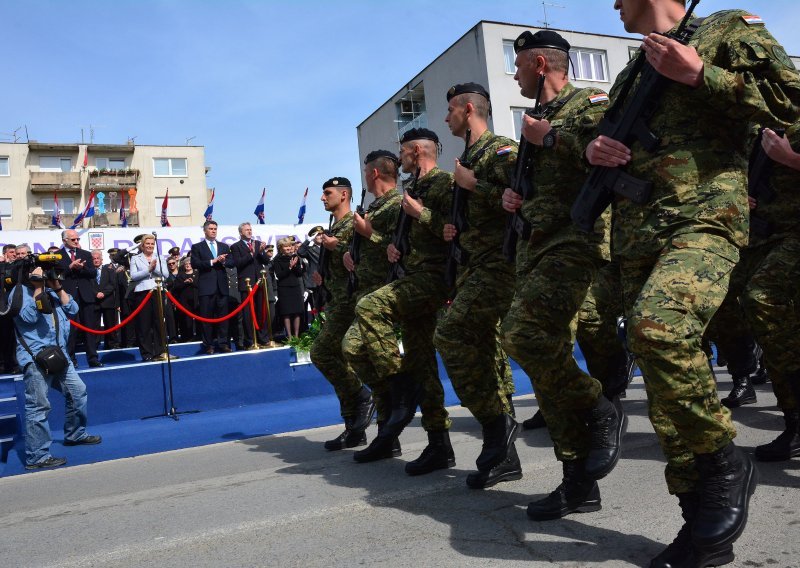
(400, 240)
(758, 184)
(324, 294)
(355, 250)
(458, 216)
(628, 127)
(517, 227)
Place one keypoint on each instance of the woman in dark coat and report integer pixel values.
(184, 288)
(289, 270)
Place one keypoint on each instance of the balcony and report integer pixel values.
(59, 181)
(101, 180)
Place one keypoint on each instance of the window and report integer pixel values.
(65, 204)
(4, 166)
(55, 164)
(509, 56)
(588, 64)
(5, 208)
(175, 167)
(176, 206)
(109, 163)
(516, 114)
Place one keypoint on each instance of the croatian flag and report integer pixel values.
(56, 220)
(210, 209)
(123, 216)
(259, 212)
(302, 213)
(164, 220)
(87, 212)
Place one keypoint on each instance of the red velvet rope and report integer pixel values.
(127, 320)
(253, 315)
(239, 308)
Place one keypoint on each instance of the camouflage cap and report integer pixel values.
(375, 154)
(463, 88)
(337, 182)
(543, 39)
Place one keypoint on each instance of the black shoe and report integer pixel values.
(365, 410)
(347, 439)
(576, 494)
(620, 375)
(87, 441)
(787, 445)
(606, 423)
(48, 463)
(381, 448)
(224, 348)
(497, 438)
(16, 370)
(405, 396)
(760, 377)
(509, 470)
(728, 480)
(438, 454)
(535, 422)
(95, 364)
(741, 394)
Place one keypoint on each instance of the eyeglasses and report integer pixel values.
(68, 239)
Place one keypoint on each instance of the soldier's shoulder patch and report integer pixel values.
(780, 54)
(752, 19)
(598, 99)
(503, 150)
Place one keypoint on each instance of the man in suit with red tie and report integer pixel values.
(209, 258)
(250, 258)
(80, 278)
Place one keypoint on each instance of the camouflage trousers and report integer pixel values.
(467, 340)
(326, 354)
(539, 333)
(764, 293)
(371, 346)
(669, 301)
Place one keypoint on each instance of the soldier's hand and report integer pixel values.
(317, 278)
(676, 61)
(329, 243)
(752, 203)
(392, 253)
(511, 201)
(412, 207)
(347, 260)
(779, 149)
(534, 130)
(607, 152)
(120, 269)
(465, 177)
(449, 232)
(362, 226)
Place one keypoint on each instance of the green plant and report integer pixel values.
(306, 339)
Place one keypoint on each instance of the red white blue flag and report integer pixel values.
(259, 211)
(210, 209)
(301, 215)
(87, 212)
(123, 215)
(164, 220)
(56, 220)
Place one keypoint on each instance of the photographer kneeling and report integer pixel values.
(43, 328)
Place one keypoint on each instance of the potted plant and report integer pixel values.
(301, 346)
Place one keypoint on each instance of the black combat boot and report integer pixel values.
(381, 448)
(760, 377)
(498, 436)
(365, 411)
(576, 494)
(620, 375)
(606, 423)
(742, 393)
(509, 470)
(787, 445)
(534, 422)
(728, 480)
(350, 438)
(438, 454)
(682, 553)
(406, 394)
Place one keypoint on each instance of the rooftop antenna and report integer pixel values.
(12, 134)
(546, 23)
(190, 139)
(130, 140)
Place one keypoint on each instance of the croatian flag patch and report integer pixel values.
(599, 98)
(751, 20)
(504, 150)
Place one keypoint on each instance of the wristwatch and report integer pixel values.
(549, 139)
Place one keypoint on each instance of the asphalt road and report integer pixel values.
(284, 501)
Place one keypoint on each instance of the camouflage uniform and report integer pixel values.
(677, 251)
(466, 336)
(326, 352)
(554, 272)
(413, 302)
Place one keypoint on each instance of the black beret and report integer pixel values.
(270, 247)
(419, 134)
(337, 182)
(174, 251)
(542, 39)
(456, 90)
(375, 154)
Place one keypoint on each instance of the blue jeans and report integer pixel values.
(37, 407)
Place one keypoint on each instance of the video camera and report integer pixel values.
(20, 270)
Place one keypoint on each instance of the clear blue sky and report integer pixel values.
(273, 90)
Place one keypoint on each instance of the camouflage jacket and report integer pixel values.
(428, 248)
(558, 174)
(492, 159)
(699, 168)
(373, 266)
(335, 272)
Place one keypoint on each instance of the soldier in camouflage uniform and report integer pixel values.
(555, 269)
(677, 251)
(412, 302)
(466, 335)
(355, 399)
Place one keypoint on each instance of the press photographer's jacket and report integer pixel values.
(37, 328)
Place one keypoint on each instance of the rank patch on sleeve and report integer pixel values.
(598, 98)
(504, 150)
(752, 20)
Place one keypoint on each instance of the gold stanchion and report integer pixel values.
(265, 290)
(253, 317)
(165, 356)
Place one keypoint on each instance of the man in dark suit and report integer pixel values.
(209, 257)
(8, 341)
(80, 278)
(250, 258)
(109, 303)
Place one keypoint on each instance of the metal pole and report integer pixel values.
(253, 317)
(271, 343)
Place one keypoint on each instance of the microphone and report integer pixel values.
(155, 235)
